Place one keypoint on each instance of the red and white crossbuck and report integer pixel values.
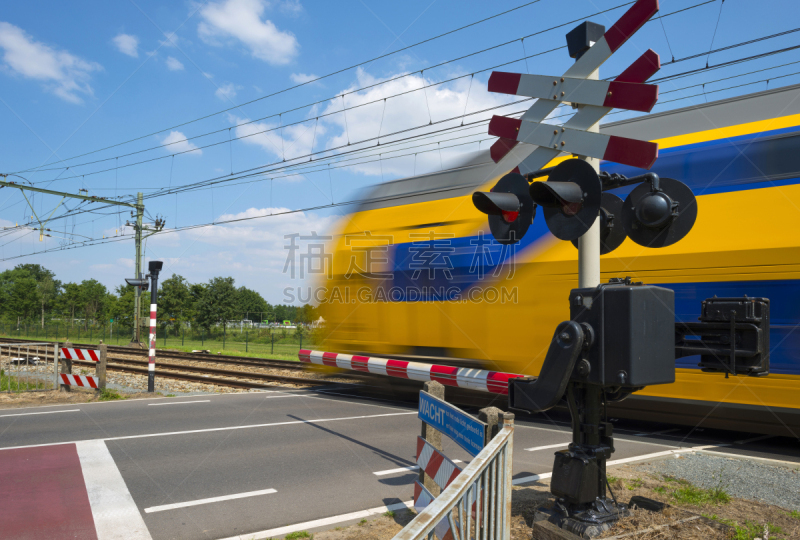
(543, 142)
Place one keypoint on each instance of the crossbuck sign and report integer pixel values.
(596, 98)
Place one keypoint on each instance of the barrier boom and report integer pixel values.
(475, 379)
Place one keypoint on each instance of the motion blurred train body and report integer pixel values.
(415, 275)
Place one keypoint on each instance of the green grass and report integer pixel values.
(362, 522)
(686, 493)
(109, 395)
(18, 384)
(794, 513)
(637, 483)
(298, 534)
(751, 530)
(389, 513)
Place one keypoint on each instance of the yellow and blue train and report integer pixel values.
(415, 275)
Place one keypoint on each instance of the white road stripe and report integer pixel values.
(324, 522)
(211, 430)
(535, 448)
(116, 516)
(567, 431)
(43, 412)
(645, 457)
(405, 469)
(209, 500)
(178, 402)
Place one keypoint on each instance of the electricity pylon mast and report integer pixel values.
(138, 228)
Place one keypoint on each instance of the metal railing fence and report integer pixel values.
(28, 367)
(478, 502)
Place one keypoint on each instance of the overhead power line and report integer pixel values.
(345, 93)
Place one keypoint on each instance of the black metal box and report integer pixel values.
(634, 334)
(576, 476)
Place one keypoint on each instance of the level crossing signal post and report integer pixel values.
(621, 335)
(154, 268)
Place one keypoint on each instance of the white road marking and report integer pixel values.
(644, 457)
(566, 431)
(532, 478)
(116, 516)
(324, 522)
(179, 402)
(209, 500)
(405, 469)
(43, 412)
(211, 430)
(656, 432)
(754, 439)
(561, 445)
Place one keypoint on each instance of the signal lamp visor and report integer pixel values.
(497, 204)
(566, 196)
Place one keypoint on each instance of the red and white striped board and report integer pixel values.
(476, 379)
(527, 158)
(624, 95)
(79, 380)
(80, 354)
(631, 152)
(435, 464)
(422, 498)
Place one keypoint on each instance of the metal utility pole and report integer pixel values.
(138, 241)
(138, 206)
(138, 228)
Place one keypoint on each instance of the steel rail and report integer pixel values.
(131, 367)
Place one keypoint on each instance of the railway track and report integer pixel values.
(198, 357)
(201, 374)
(217, 376)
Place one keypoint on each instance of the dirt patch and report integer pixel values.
(54, 397)
(383, 527)
(736, 519)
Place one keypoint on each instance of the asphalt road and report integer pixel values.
(306, 455)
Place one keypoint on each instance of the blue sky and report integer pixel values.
(77, 77)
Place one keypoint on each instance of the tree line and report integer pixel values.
(30, 293)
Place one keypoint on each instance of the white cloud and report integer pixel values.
(290, 7)
(286, 143)
(176, 142)
(254, 250)
(173, 64)
(409, 111)
(226, 92)
(62, 73)
(240, 20)
(127, 44)
(299, 78)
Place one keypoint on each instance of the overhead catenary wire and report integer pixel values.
(340, 94)
(691, 73)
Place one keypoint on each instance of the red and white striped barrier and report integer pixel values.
(422, 498)
(80, 354)
(474, 379)
(79, 380)
(435, 464)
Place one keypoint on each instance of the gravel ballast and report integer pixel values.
(743, 478)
